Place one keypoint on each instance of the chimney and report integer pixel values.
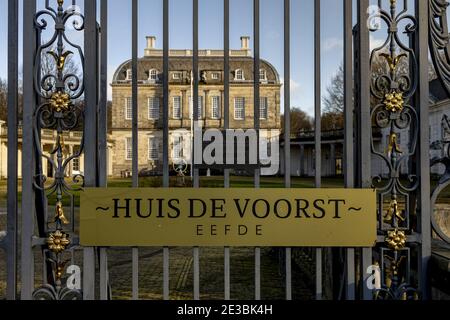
(151, 41)
(245, 41)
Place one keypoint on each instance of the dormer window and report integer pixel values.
(239, 74)
(262, 75)
(215, 76)
(153, 75)
(128, 74)
(176, 76)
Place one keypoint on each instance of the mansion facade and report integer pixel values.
(210, 102)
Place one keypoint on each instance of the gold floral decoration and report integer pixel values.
(58, 241)
(393, 101)
(60, 101)
(396, 239)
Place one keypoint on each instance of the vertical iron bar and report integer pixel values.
(287, 130)
(319, 285)
(348, 133)
(135, 273)
(90, 131)
(134, 130)
(196, 181)
(318, 131)
(226, 110)
(423, 165)
(166, 133)
(364, 125)
(28, 165)
(12, 216)
(102, 132)
(256, 120)
(103, 101)
(103, 265)
(350, 276)
(166, 93)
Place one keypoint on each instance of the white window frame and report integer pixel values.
(177, 140)
(215, 76)
(263, 102)
(129, 74)
(128, 107)
(243, 108)
(236, 75)
(76, 163)
(153, 73)
(129, 144)
(201, 107)
(218, 107)
(181, 107)
(153, 144)
(149, 106)
(264, 73)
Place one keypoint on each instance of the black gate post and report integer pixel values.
(12, 215)
(364, 126)
(423, 150)
(90, 132)
(28, 151)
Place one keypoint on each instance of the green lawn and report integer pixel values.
(215, 182)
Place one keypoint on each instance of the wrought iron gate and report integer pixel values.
(395, 100)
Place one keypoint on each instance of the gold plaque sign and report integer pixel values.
(228, 217)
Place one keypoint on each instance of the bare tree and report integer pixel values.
(334, 99)
(300, 121)
(3, 99)
(49, 63)
(48, 66)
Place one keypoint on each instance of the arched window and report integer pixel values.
(239, 74)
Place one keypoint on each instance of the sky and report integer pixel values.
(211, 35)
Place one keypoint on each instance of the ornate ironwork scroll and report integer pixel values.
(59, 91)
(394, 81)
(444, 146)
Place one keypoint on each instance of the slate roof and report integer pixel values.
(205, 64)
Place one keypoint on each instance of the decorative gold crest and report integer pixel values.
(59, 213)
(393, 144)
(60, 101)
(396, 239)
(393, 211)
(393, 61)
(60, 60)
(58, 241)
(393, 101)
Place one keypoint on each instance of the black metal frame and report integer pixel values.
(401, 102)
